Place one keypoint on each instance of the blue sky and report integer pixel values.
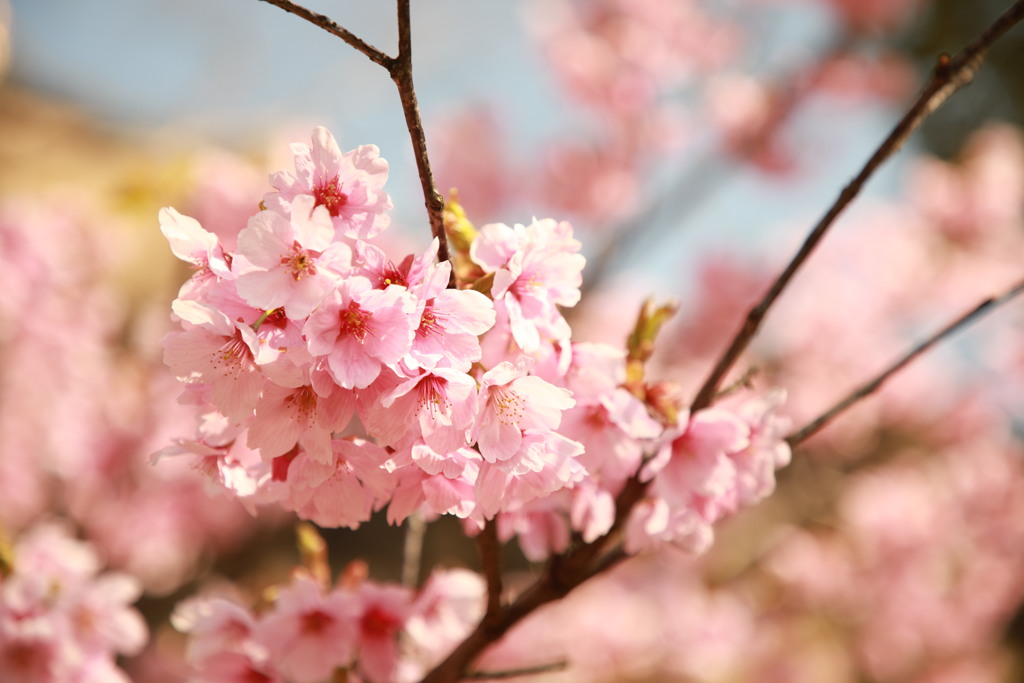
(236, 71)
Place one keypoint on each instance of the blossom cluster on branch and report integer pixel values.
(335, 381)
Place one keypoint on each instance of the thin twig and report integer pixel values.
(949, 76)
(874, 384)
(490, 561)
(375, 55)
(401, 74)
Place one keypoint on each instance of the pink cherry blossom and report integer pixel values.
(309, 634)
(383, 611)
(439, 406)
(191, 243)
(231, 468)
(289, 415)
(214, 350)
(235, 667)
(653, 522)
(349, 186)
(540, 527)
(343, 492)
(60, 618)
(536, 269)
(512, 401)
(446, 608)
(613, 430)
(359, 329)
(100, 617)
(697, 462)
(435, 484)
(290, 263)
(216, 624)
(450, 323)
(545, 462)
(373, 263)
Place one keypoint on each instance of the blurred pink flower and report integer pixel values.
(309, 634)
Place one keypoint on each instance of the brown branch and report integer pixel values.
(552, 585)
(562, 575)
(401, 74)
(490, 562)
(331, 27)
(870, 387)
(400, 70)
(949, 76)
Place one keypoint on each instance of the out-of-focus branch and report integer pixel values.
(706, 175)
(949, 76)
(412, 550)
(490, 562)
(871, 386)
(400, 70)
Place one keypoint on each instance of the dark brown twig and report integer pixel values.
(490, 562)
(401, 74)
(949, 76)
(870, 387)
(331, 27)
(400, 70)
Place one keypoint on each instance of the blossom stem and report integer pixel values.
(950, 75)
(871, 386)
(259, 321)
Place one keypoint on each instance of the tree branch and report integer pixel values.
(949, 76)
(401, 74)
(490, 561)
(412, 550)
(870, 387)
(331, 27)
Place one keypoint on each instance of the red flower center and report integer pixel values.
(316, 621)
(330, 195)
(354, 321)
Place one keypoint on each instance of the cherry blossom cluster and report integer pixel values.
(335, 381)
(60, 618)
(372, 631)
